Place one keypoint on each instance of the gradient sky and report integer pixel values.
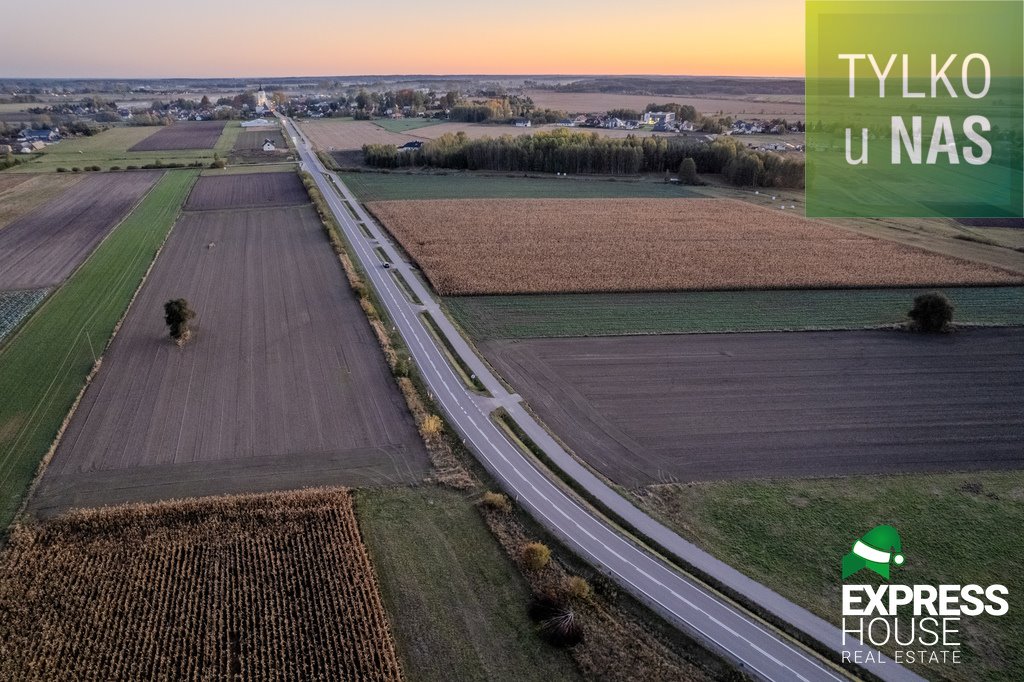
(196, 38)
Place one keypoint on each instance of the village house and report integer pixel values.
(268, 145)
(410, 146)
(522, 122)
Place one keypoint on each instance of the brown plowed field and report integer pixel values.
(270, 587)
(23, 192)
(220, 192)
(507, 246)
(184, 135)
(282, 385)
(658, 409)
(249, 145)
(45, 246)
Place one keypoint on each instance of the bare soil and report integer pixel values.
(661, 409)
(45, 246)
(255, 190)
(183, 135)
(282, 384)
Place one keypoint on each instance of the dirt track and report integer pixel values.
(645, 410)
(246, 191)
(184, 135)
(283, 384)
(43, 247)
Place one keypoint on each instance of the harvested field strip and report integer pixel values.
(657, 409)
(456, 602)
(516, 246)
(331, 134)
(20, 198)
(221, 192)
(552, 315)
(184, 135)
(285, 380)
(253, 588)
(387, 186)
(15, 307)
(42, 369)
(45, 246)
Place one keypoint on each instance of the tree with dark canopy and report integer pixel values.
(932, 312)
(177, 315)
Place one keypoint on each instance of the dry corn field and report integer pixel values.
(506, 246)
(260, 587)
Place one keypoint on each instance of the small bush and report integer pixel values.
(368, 308)
(115, 168)
(558, 622)
(94, 168)
(62, 169)
(75, 169)
(932, 312)
(536, 555)
(131, 168)
(431, 426)
(496, 501)
(577, 588)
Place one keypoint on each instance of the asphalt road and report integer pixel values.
(750, 645)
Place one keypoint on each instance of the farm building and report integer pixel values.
(410, 146)
(268, 145)
(256, 123)
(521, 122)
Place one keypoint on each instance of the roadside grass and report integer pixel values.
(530, 316)
(457, 605)
(400, 185)
(44, 366)
(792, 534)
(401, 125)
(110, 148)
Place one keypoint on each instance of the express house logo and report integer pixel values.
(918, 623)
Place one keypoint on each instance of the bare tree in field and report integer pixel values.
(177, 315)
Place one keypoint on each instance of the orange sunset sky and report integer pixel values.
(195, 38)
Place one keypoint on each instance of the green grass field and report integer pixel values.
(792, 535)
(489, 317)
(401, 125)
(457, 606)
(401, 185)
(44, 365)
(110, 148)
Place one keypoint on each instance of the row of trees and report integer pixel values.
(566, 151)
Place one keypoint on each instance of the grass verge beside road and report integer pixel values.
(512, 317)
(791, 535)
(43, 367)
(372, 186)
(456, 604)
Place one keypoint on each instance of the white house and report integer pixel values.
(268, 145)
(522, 123)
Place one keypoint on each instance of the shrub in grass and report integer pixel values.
(558, 622)
(62, 169)
(431, 426)
(932, 312)
(577, 588)
(536, 555)
(75, 169)
(115, 168)
(496, 501)
(177, 315)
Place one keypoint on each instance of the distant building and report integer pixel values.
(522, 122)
(261, 98)
(256, 123)
(655, 117)
(268, 145)
(29, 135)
(410, 146)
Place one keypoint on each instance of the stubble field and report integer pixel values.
(737, 107)
(345, 135)
(282, 384)
(43, 247)
(183, 135)
(562, 245)
(704, 407)
(22, 193)
(253, 588)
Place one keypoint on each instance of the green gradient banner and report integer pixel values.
(915, 108)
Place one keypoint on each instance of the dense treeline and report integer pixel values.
(565, 151)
